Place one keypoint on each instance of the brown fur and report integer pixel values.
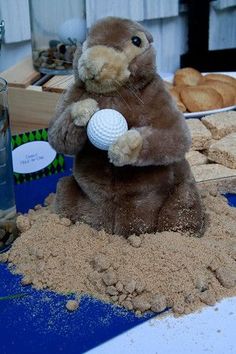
(143, 183)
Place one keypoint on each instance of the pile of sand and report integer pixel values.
(150, 272)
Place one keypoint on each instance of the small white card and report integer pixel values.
(32, 157)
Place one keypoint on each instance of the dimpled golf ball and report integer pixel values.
(105, 127)
(73, 30)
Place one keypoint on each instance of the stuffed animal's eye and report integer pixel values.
(136, 41)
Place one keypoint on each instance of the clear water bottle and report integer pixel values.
(8, 230)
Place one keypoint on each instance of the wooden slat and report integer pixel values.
(34, 88)
(21, 74)
(58, 83)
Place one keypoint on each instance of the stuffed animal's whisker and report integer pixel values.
(123, 99)
(67, 62)
(60, 99)
(62, 95)
(117, 91)
(118, 84)
(134, 93)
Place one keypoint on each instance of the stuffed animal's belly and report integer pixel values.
(103, 182)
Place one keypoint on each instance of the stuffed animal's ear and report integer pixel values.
(149, 36)
(77, 55)
(146, 32)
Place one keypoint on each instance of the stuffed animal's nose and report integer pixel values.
(102, 63)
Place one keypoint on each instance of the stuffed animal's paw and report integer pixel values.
(126, 149)
(82, 111)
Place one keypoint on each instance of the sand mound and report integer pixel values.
(149, 272)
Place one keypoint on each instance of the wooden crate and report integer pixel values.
(30, 106)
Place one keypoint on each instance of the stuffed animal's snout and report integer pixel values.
(103, 68)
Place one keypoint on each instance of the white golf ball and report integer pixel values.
(105, 127)
(74, 29)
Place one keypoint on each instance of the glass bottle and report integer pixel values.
(7, 198)
(57, 27)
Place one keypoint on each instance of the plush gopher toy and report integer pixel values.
(143, 182)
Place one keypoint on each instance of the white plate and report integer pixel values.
(169, 77)
(205, 113)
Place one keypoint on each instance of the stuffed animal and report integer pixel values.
(143, 182)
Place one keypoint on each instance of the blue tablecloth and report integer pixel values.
(37, 322)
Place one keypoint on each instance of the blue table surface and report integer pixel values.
(37, 322)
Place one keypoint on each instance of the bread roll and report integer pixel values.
(187, 76)
(201, 98)
(176, 96)
(221, 77)
(226, 90)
